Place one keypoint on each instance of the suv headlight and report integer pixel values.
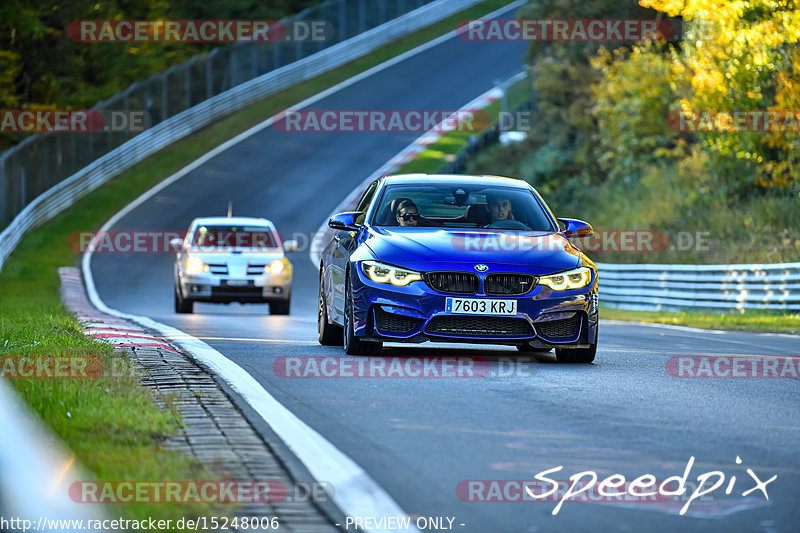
(571, 279)
(380, 273)
(194, 265)
(274, 267)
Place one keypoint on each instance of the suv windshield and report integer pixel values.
(234, 236)
(462, 206)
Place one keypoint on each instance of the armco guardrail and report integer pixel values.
(64, 194)
(722, 287)
(36, 472)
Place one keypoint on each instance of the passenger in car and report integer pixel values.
(499, 207)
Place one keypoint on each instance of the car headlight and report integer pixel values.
(275, 267)
(194, 265)
(571, 279)
(380, 273)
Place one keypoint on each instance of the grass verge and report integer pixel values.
(111, 423)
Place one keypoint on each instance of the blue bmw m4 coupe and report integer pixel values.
(453, 258)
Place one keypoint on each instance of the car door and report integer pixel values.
(344, 244)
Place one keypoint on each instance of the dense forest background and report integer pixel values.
(41, 67)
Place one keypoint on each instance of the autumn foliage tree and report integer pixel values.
(607, 146)
(41, 67)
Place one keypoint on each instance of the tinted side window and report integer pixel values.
(367, 198)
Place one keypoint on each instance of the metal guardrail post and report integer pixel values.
(342, 20)
(187, 80)
(254, 60)
(362, 16)
(22, 186)
(164, 96)
(3, 186)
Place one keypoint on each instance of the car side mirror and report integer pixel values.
(176, 244)
(346, 220)
(290, 246)
(576, 228)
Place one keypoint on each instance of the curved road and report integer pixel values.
(419, 438)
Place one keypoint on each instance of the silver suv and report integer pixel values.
(233, 259)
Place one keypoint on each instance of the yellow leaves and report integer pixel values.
(773, 174)
(708, 81)
(686, 108)
(672, 7)
(737, 55)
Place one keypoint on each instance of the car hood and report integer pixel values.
(237, 262)
(417, 248)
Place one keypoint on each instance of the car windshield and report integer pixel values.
(224, 236)
(461, 206)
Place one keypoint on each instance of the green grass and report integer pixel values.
(111, 423)
(747, 321)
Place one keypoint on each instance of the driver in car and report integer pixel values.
(499, 207)
(407, 213)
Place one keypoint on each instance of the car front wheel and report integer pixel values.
(328, 334)
(280, 307)
(581, 355)
(352, 344)
(182, 305)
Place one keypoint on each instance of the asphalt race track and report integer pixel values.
(419, 438)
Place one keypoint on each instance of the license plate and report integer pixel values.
(480, 306)
(237, 283)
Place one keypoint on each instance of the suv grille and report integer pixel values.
(479, 326)
(501, 284)
(559, 329)
(218, 268)
(452, 282)
(393, 323)
(255, 269)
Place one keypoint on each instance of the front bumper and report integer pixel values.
(207, 287)
(416, 313)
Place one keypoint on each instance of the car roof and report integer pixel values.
(233, 221)
(463, 178)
